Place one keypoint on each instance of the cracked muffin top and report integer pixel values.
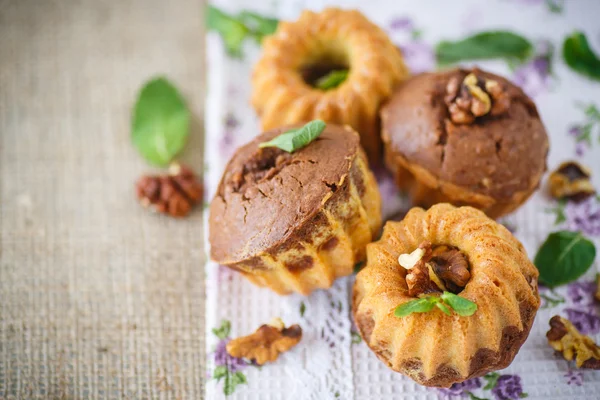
(471, 128)
(266, 194)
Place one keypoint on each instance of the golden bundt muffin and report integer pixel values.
(466, 137)
(296, 221)
(301, 52)
(455, 251)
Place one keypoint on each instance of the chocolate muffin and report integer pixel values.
(296, 221)
(467, 137)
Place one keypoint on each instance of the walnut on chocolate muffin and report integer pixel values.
(467, 137)
(295, 222)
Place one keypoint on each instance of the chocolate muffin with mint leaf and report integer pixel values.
(295, 208)
(467, 137)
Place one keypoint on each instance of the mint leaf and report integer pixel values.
(443, 307)
(259, 25)
(302, 309)
(555, 6)
(332, 80)
(296, 139)
(485, 46)
(232, 31)
(579, 56)
(220, 372)
(564, 257)
(460, 305)
(161, 122)
(355, 338)
(415, 306)
(222, 332)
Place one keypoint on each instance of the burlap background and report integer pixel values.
(98, 297)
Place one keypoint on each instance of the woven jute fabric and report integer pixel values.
(99, 298)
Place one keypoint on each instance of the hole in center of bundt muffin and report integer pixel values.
(435, 269)
(325, 75)
(265, 163)
(327, 66)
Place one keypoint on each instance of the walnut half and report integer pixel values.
(266, 343)
(571, 180)
(435, 269)
(566, 339)
(474, 97)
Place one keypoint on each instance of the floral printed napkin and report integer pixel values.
(331, 362)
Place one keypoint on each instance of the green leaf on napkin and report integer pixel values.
(332, 80)
(232, 381)
(485, 46)
(161, 122)
(580, 57)
(222, 332)
(259, 25)
(564, 257)
(234, 29)
(296, 139)
(220, 372)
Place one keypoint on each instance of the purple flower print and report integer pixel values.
(582, 293)
(227, 141)
(233, 364)
(584, 216)
(574, 377)
(461, 388)
(586, 322)
(403, 24)
(535, 76)
(508, 387)
(418, 56)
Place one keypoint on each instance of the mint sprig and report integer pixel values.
(161, 122)
(580, 57)
(505, 45)
(564, 257)
(235, 29)
(447, 300)
(332, 80)
(296, 139)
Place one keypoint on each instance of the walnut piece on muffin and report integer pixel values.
(466, 137)
(295, 222)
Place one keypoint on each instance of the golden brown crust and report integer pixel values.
(281, 96)
(493, 163)
(432, 348)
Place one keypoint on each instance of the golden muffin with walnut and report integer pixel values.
(295, 222)
(475, 273)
